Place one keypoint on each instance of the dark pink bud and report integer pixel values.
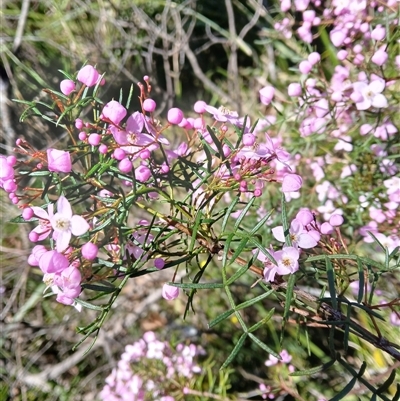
(67, 86)
(119, 154)
(27, 213)
(305, 217)
(103, 149)
(89, 251)
(200, 107)
(82, 135)
(149, 105)
(94, 139)
(142, 173)
(125, 165)
(88, 75)
(78, 123)
(159, 263)
(249, 139)
(53, 262)
(175, 116)
(114, 111)
(59, 161)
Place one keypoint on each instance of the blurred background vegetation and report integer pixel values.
(222, 52)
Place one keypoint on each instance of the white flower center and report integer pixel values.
(62, 224)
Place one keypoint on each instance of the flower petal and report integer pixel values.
(79, 225)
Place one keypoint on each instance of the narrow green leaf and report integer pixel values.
(195, 229)
(235, 351)
(331, 282)
(289, 296)
(264, 346)
(345, 390)
(87, 305)
(253, 301)
(243, 213)
(229, 212)
(261, 223)
(196, 286)
(237, 274)
(309, 372)
(388, 382)
(217, 142)
(285, 223)
(220, 318)
(263, 321)
(239, 249)
(361, 279)
(99, 288)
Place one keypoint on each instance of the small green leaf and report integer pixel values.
(220, 318)
(309, 372)
(264, 346)
(235, 351)
(345, 390)
(331, 282)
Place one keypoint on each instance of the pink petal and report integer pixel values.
(63, 239)
(278, 233)
(306, 241)
(64, 207)
(379, 101)
(39, 212)
(79, 225)
(291, 183)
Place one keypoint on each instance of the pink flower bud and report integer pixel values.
(305, 67)
(145, 154)
(379, 58)
(53, 262)
(174, 116)
(114, 111)
(149, 105)
(305, 217)
(67, 86)
(379, 33)
(294, 89)
(119, 154)
(59, 161)
(189, 123)
(342, 54)
(88, 75)
(326, 228)
(170, 292)
(125, 165)
(337, 37)
(266, 94)
(314, 58)
(82, 135)
(159, 263)
(249, 139)
(142, 173)
(78, 123)
(336, 220)
(27, 213)
(89, 251)
(94, 139)
(200, 107)
(103, 149)
(291, 183)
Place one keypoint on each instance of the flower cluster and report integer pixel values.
(168, 371)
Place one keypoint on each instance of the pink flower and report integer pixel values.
(298, 235)
(287, 260)
(370, 95)
(88, 75)
(43, 230)
(170, 292)
(89, 251)
(114, 111)
(59, 161)
(222, 114)
(65, 224)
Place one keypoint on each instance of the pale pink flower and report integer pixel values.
(114, 111)
(369, 95)
(65, 224)
(291, 183)
(287, 260)
(298, 235)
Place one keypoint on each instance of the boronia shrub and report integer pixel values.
(304, 199)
